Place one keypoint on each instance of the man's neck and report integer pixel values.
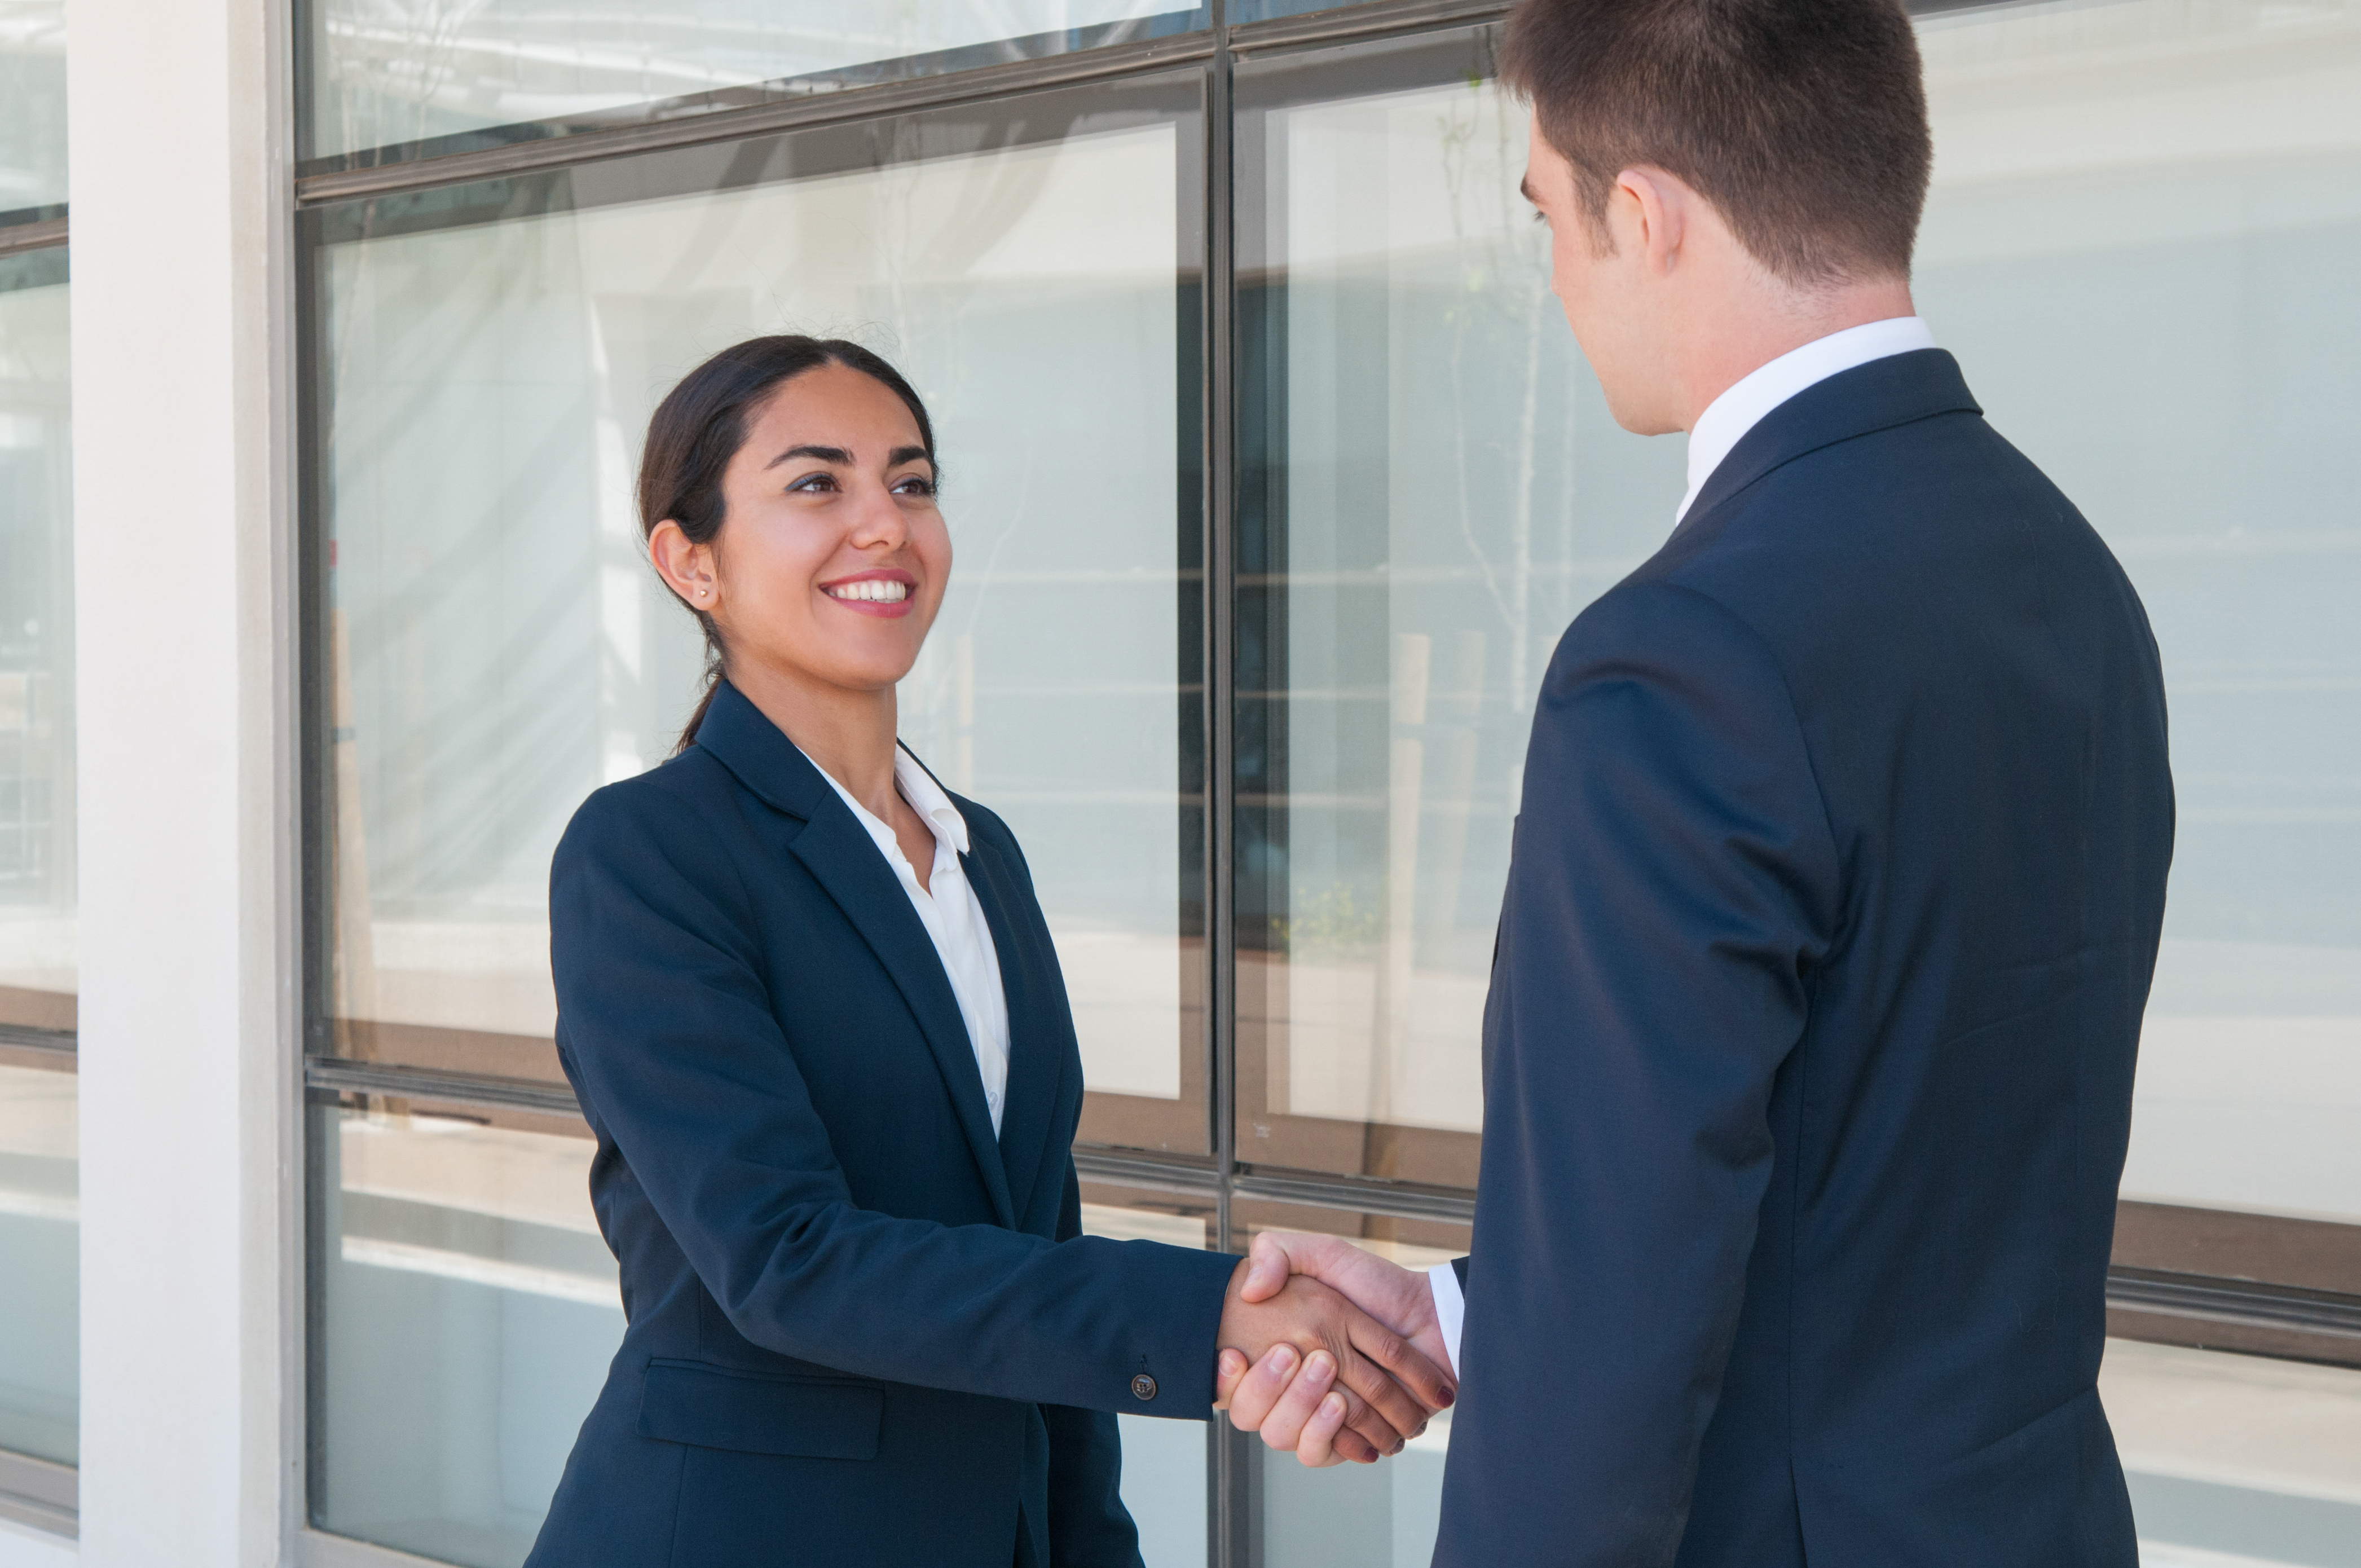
(1734, 344)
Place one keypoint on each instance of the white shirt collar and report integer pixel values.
(925, 797)
(954, 921)
(1729, 417)
(929, 800)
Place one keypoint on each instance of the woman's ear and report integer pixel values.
(685, 567)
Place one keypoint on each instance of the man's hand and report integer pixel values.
(1378, 1389)
(1288, 1400)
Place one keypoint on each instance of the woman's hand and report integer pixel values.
(1366, 1379)
(1280, 1396)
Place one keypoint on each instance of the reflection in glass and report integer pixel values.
(37, 739)
(1163, 1461)
(1431, 489)
(2234, 1461)
(2142, 242)
(1265, 10)
(32, 110)
(464, 1309)
(498, 646)
(39, 1259)
(400, 72)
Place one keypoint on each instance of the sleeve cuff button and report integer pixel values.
(1143, 1387)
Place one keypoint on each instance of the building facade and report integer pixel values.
(1273, 476)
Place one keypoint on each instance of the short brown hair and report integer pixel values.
(1804, 122)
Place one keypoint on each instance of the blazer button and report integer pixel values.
(1143, 1387)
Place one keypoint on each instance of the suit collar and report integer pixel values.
(743, 740)
(1899, 389)
(845, 860)
(1743, 404)
(841, 857)
(1038, 1048)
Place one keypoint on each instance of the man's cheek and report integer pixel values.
(1565, 280)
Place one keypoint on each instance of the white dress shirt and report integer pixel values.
(1722, 426)
(946, 907)
(1729, 417)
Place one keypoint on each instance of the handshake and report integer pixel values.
(1328, 1351)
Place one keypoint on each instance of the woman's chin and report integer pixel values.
(863, 670)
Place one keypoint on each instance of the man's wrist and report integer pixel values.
(1450, 1309)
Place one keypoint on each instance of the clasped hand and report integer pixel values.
(1328, 1351)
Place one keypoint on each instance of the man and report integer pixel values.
(1835, 897)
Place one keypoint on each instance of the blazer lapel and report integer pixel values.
(1040, 1026)
(845, 860)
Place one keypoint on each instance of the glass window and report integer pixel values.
(1353, 1516)
(1267, 10)
(496, 646)
(464, 1309)
(40, 1257)
(2142, 270)
(412, 79)
(2142, 240)
(37, 738)
(2234, 1461)
(1430, 487)
(32, 110)
(1164, 1461)
(2144, 222)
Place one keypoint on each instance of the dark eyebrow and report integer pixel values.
(1525, 189)
(844, 459)
(836, 454)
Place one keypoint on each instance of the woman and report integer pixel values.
(813, 1015)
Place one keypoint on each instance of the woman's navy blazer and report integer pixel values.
(863, 1330)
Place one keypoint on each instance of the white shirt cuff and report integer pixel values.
(1450, 1308)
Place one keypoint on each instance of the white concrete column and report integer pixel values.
(181, 194)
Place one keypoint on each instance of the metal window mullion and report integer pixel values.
(1114, 63)
(1231, 1540)
(1373, 19)
(16, 237)
(40, 1494)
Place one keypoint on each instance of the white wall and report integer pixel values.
(180, 181)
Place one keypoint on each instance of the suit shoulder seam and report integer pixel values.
(1769, 655)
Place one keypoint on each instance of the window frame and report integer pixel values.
(1177, 29)
(2183, 1276)
(39, 1493)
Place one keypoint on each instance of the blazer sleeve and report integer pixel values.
(1089, 1526)
(1672, 884)
(668, 1030)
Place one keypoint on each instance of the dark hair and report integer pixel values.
(699, 427)
(1804, 122)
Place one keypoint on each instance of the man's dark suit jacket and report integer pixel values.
(862, 1331)
(1808, 1054)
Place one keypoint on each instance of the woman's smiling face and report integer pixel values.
(832, 558)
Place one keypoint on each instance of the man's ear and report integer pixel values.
(1654, 207)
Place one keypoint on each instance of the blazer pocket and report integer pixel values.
(808, 1418)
